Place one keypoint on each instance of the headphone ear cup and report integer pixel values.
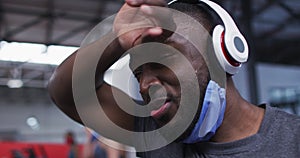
(221, 53)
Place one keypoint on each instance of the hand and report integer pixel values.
(141, 19)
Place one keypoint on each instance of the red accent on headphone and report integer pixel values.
(227, 56)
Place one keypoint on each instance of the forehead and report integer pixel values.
(175, 52)
(190, 39)
(190, 46)
(192, 30)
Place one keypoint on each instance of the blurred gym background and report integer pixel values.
(37, 35)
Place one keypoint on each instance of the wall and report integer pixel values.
(16, 105)
(270, 76)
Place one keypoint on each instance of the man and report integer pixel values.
(239, 129)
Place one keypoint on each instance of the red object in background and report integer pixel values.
(41, 150)
(69, 138)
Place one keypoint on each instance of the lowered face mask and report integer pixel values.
(211, 115)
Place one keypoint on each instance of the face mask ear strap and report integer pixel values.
(211, 116)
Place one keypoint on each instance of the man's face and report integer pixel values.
(156, 79)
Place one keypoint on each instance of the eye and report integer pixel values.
(138, 72)
(157, 66)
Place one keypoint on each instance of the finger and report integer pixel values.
(156, 31)
(156, 34)
(160, 16)
(137, 3)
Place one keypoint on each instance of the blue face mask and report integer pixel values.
(211, 115)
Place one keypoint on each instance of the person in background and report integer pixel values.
(93, 148)
(72, 144)
(96, 147)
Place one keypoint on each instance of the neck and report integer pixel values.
(241, 119)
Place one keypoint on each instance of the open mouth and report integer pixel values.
(162, 110)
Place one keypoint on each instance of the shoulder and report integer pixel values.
(281, 132)
(284, 122)
(283, 116)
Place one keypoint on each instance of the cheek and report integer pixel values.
(168, 75)
(201, 70)
(202, 74)
(203, 79)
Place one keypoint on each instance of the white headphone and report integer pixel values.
(229, 44)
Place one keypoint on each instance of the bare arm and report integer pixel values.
(60, 84)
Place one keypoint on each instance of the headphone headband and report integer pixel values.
(230, 46)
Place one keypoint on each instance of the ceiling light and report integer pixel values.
(15, 83)
(33, 123)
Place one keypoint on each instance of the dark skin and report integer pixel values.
(242, 119)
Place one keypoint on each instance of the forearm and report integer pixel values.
(60, 84)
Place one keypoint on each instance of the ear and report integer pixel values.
(230, 46)
(227, 63)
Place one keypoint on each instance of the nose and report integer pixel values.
(148, 79)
